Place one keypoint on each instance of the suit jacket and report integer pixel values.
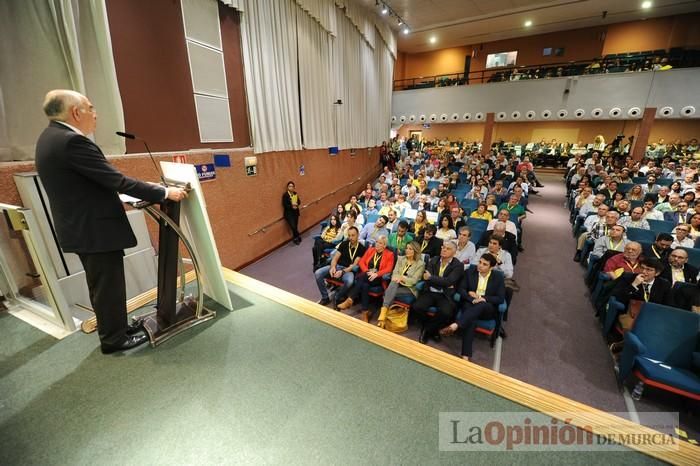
(690, 273)
(673, 216)
(495, 292)
(433, 247)
(510, 243)
(386, 264)
(83, 188)
(660, 292)
(414, 274)
(447, 283)
(647, 251)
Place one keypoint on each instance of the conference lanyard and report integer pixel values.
(375, 260)
(653, 249)
(613, 247)
(422, 248)
(352, 252)
(645, 288)
(399, 242)
(632, 267)
(442, 268)
(405, 268)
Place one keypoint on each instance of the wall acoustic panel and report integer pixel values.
(201, 18)
(207, 67)
(214, 118)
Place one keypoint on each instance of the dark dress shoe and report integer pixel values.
(131, 341)
(324, 301)
(577, 256)
(436, 338)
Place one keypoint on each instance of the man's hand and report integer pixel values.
(371, 276)
(175, 194)
(638, 280)
(337, 273)
(397, 279)
(426, 275)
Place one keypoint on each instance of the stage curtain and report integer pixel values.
(268, 36)
(52, 44)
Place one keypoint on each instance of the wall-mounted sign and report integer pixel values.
(251, 166)
(332, 151)
(222, 160)
(302, 170)
(179, 158)
(206, 171)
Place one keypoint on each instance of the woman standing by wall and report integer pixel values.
(290, 203)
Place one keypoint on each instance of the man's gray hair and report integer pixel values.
(58, 102)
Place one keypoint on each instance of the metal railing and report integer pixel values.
(375, 171)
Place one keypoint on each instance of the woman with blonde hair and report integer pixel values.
(407, 273)
(635, 193)
(599, 143)
(419, 223)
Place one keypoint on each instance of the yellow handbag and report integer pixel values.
(394, 319)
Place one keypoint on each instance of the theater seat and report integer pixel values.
(661, 350)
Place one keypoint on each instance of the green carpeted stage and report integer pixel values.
(263, 384)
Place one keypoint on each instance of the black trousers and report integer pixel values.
(293, 222)
(443, 317)
(467, 322)
(317, 251)
(104, 273)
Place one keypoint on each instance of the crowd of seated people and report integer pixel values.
(637, 230)
(439, 233)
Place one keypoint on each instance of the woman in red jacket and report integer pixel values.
(375, 263)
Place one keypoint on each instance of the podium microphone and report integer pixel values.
(133, 136)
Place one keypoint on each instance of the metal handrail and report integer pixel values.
(264, 228)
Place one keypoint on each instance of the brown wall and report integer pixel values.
(579, 44)
(465, 131)
(571, 131)
(238, 205)
(148, 43)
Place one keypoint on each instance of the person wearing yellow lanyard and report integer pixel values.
(660, 248)
(628, 261)
(481, 290)
(346, 256)
(290, 204)
(678, 269)
(613, 241)
(435, 305)
(407, 272)
(376, 262)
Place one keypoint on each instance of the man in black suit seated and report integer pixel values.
(429, 243)
(645, 286)
(677, 268)
(83, 190)
(660, 248)
(509, 242)
(441, 276)
(481, 291)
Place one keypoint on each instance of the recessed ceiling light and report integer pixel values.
(385, 10)
(647, 4)
(528, 23)
(406, 31)
(433, 39)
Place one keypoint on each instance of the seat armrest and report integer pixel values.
(635, 344)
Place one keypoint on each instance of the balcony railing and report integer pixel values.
(615, 63)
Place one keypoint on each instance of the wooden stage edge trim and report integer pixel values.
(581, 415)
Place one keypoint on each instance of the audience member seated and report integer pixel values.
(446, 232)
(677, 268)
(635, 219)
(660, 248)
(614, 241)
(645, 285)
(429, 243)
(627, 262)
(680, 215)
(407, 273)
(481, 292)
(482, 213)
(350, 221)
(419, 223)
(513, 206)
(504, 261)
(399, 239)
(509, 241)
(372, 231)
(376, 262)
(681, 237)
(347, 255)
(504, 217)
(441, 276)
(330, 235)
(465, 247)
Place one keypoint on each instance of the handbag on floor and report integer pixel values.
(394, 319)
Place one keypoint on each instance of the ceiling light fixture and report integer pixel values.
(406, 30)
(400, 22)
(528, 23)
(646, 5)
(433, 39)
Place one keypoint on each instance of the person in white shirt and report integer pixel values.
(635, 219)
(503, 216)
(681, 238)
(465, 248)
(650, 213)
(503, 257)
(446, 232)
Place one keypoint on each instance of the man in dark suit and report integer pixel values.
(678, 270)
(88, 216)
(509, 242)
(482, 290)
(645, 286)
(660, 248)
(441, 276)
(429, 243)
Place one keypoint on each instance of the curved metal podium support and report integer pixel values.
(170, 316)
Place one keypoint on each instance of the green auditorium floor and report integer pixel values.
(263, 384)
